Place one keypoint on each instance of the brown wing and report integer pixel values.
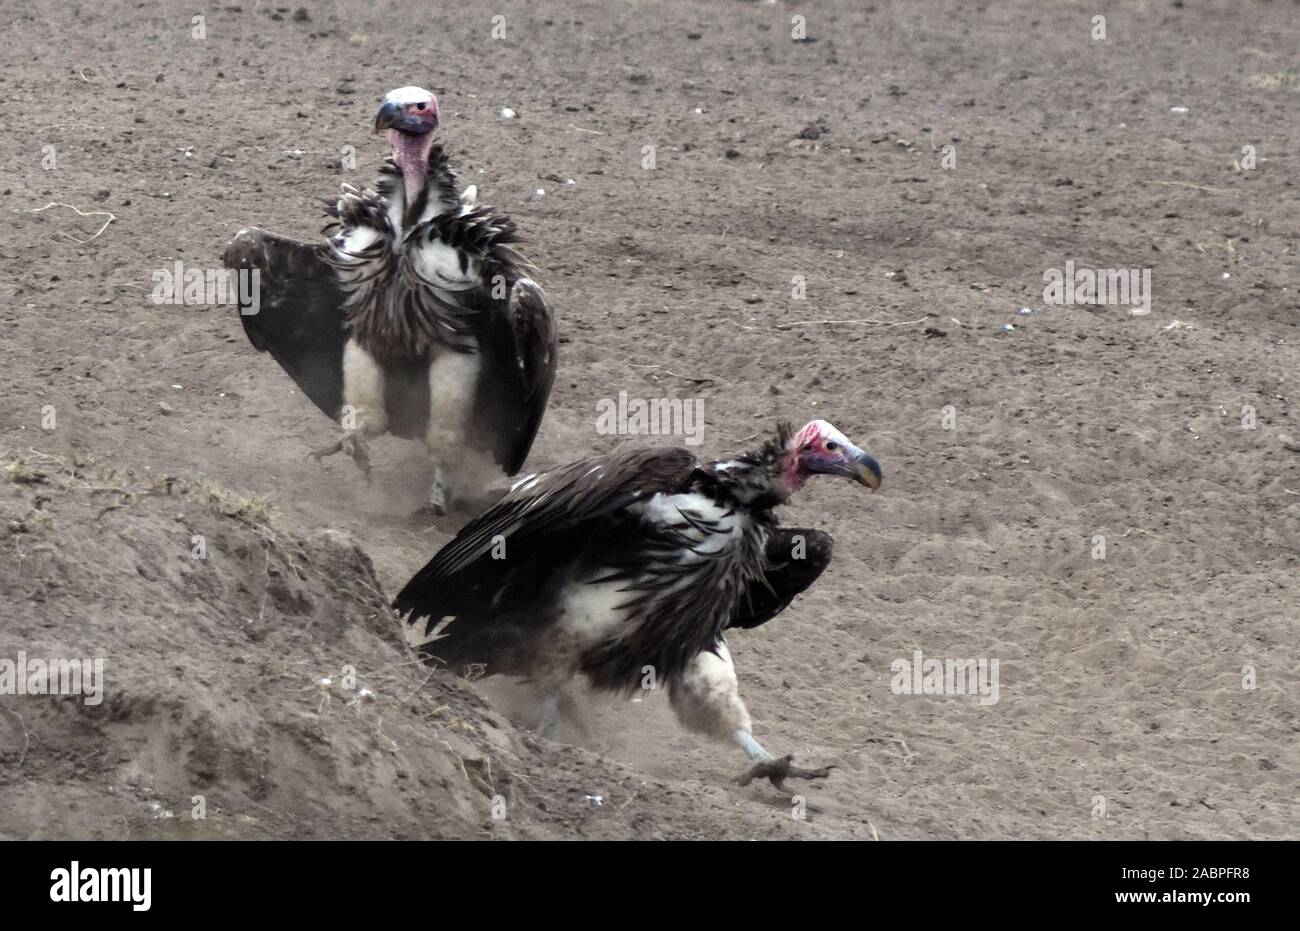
(298, 316)
(535, 346)
(795, 559)
(543, 523)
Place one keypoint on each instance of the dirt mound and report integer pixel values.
(252, 674)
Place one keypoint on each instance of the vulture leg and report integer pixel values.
(753, 749)
(706, 697)
(707, 700)
(453, 380)
(549, 722)
(353, 442)
(364, 414)
(438, 493)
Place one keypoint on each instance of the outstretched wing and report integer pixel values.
(519, 343)
(298, 314)
(536, 346)
(795, 558)
(537, 529)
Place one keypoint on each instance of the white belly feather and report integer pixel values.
(589, 612)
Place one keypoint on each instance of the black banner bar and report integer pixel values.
(328, 880)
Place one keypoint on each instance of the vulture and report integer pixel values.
(631, 564)
(416, 316)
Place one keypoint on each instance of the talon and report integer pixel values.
(432, 509)
(778, 770)
(353, 442)
(319, 454)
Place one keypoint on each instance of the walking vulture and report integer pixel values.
(415, 317)
(633, 563)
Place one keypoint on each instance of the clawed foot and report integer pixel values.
(779, 769)
(353, 442)
(438, 503)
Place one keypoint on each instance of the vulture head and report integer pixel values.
(820, 449)
(410, 114)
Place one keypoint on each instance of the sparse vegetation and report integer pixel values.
(253, 508)
(21, 472)
(1274, 81)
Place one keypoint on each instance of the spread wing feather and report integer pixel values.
(300, 318)
(531, 352)
(531, 521)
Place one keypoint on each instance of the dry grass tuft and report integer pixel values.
(22, 472)
(1276, 81)
(249, 507)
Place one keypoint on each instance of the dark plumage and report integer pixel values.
(416, 317)
(643, 558)
(301, 321)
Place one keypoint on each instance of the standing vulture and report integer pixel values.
(415, 317)
(635, 563)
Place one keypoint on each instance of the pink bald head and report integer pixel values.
(820, 449)
(410, 114)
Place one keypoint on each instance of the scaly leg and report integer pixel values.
(549, 722)
(363, 414)
(707, 700)
(353, 442)
(439, 500)
(453, 383)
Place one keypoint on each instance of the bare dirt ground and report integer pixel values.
(1120, 678)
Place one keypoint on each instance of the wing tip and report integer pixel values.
(237, 253)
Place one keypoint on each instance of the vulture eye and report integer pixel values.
(832, 446)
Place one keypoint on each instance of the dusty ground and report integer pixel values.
(1119, 678)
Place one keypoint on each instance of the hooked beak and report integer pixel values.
(866, 471)
(401, 118)
(390, 116)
